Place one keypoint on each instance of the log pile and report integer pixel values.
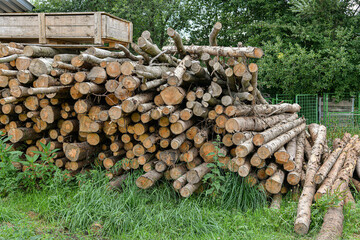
(161, 111)
(328, 173)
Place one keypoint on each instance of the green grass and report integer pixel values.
(68, 211)
(159, 213)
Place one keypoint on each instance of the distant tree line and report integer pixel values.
(311, 46)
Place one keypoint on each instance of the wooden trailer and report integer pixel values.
(92, 28)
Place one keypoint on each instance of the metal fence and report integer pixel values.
(327, 108)
(342, 112)
(308, 103)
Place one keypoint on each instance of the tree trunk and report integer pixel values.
(37, 51)
(276, 201)
(131, 104)
(249, 52)
(333, 221)
(172, 95)
(22, 134)
(245, 148)
(170, 157)
(302, 222)
(78, 151)
(189, 189)
(177, 40)
(253, 123)
(178, 171)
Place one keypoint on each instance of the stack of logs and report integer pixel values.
(160, 111)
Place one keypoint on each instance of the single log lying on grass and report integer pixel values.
(302, 222)
(276, 201)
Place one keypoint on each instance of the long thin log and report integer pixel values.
(249, 52)
(271, 133)
(294, 177)
(302, 222)
(253, 123)
(269, 148)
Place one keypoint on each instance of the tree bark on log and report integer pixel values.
(249, 52)
(154, 51)
(9, 58)
(253, 123)
(276, 201)
(214, 32)
(22, 134)
(196, 174)
(271, 133)
(177, 40)
(269, 148)
(302, 222)
(331, 176)
(78, 151)
(37, 51)
(39, 66)
(180, 182)
(189, 189)
(294, 177)
(329, 163)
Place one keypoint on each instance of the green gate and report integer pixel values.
(309, 107)
(308, 103)
(342, 114)
(283, 98)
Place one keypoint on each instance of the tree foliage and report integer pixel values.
(311, 46)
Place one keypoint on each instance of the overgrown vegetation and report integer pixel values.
(311, 46)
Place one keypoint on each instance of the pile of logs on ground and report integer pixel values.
(328, 173)
(160, 111)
